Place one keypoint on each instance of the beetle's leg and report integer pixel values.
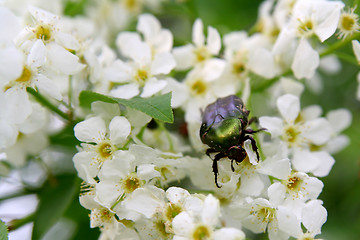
(253, 145)
(215, 167)
(250, 131)
(253, 119)
(232, 165)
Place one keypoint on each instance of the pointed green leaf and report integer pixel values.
(157, 107)
(3, 231)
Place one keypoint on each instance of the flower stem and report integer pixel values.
(46, 103)
(17, 223)
(339, 44)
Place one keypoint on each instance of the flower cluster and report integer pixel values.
(144, 179)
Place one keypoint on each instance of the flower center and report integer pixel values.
(172, 210)
(201, 54)
(348, 23)
(132, 5)
(267, 214)
(141, 76)
(306, 28)
(293, 183)
(43, 32)
(105, 150)
(131, 183)
(291, 134)
(201, 233)
(198, 87)
(25, 76)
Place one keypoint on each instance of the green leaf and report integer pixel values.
(3, 231)
(157, 107)
(56, 196)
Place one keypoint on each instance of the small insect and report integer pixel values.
(224, 129)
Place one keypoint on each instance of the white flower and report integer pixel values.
(260, 215)
(144, 72)
(101, 144)
(199, 53)
(189, 225)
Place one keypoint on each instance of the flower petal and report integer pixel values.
(289, 107)
(90, 130)
(120, 129)
(306, 60)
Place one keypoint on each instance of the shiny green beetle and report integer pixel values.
(224, 129)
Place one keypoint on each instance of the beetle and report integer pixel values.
(224, 129)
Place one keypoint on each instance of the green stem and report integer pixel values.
(339, 44)
(46, 103)
(348, 58)
(17, 223)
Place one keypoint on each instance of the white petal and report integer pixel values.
(182, 224)
(179, 93)
(313, 187)
(140, 52)
(86, 166)
(163, 63)
(147, 172)
(274, 125)
(37, 55)
(339, 119)
(304, 160)
(67, 41)
(43, 16)
(153, 86)
(356, 49)
(306, 60)
(277, 193)
(326, 161)
(211, 211)
(311, 112)
(62, 60)
(118, 168)
(123, 41)
(213, 41)
(9, 25)
(118, 71)
(176, 194)
(144, 202)
(262, 63)
(148, 25)
(35, 121)
(289, 107)
(229, 234)
(8, 134)
(198, 33)
(331, 12)
(279, 168)
(251, 184)
(184, 57)
(213, 69)
(288, 222)
(125, 91)
(47, 86)
(107, 192)
(11, 64)
(291, 86)
(337, 144)
(318, 131)
(119, 130)
(18, 106)
(90, 130)
(250, 152)
(313, 216)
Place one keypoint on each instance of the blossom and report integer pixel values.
(106, 142)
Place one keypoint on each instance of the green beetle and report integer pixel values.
(224, 129)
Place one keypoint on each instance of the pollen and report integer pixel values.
(105, 150)
(201, 54)
(141, 76)
(201, 233)
(172, 210)
(293, 183)
(348, 23)
(43, 32)
(291, 134)
(305, 28)
(198, 87)
(131, 183)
